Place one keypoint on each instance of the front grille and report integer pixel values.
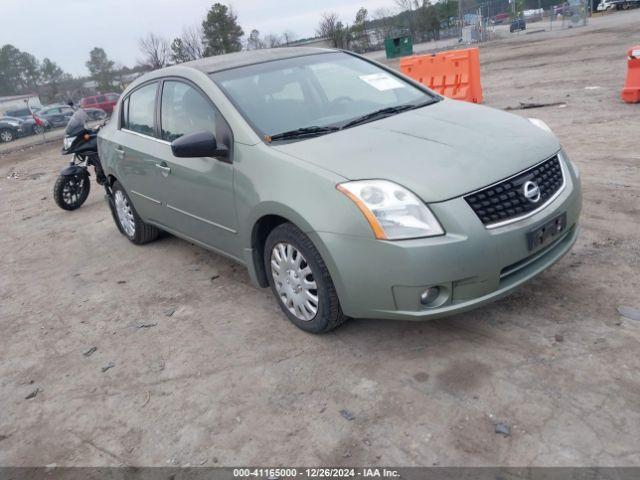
(505, 200)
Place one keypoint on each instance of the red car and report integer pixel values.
(105, 102)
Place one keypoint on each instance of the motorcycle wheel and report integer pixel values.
(71, 191)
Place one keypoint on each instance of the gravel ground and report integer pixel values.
(205, 370)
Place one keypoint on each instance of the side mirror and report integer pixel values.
(198, 144)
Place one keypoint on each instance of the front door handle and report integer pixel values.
(165, 170)
(120, 152)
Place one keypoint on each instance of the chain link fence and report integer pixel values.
(489, 20)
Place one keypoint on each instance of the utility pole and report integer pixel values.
(460, 16)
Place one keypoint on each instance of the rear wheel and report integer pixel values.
(300, 280)
(127, 219)
(71, 191)
(7, 135)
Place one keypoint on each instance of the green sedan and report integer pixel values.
(346, 187)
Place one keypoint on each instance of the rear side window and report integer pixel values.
(89, 101)
(100, 99)
(112, 97)
(185, 110)
(139, 110)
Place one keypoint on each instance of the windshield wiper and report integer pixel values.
(315, 131)
(386, 112)
(303, 132)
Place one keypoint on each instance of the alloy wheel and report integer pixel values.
(6, 136)
(125, 214)
(294, 281)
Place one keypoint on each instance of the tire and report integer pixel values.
(7, 135)
(71, 191)
(127, 219)
(291, 285)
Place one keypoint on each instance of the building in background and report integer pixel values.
(16, 102)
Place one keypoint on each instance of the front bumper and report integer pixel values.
(472, 265)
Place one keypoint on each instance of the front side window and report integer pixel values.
(140, 110)
(90, 101)
(323, 90)
(100, 99)
(184, 110)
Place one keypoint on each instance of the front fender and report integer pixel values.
(72, 170)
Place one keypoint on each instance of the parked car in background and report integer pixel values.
(517, 25)
(533, 15)
(562, 9)
(607, 5)
(348, 188)
(10, 129)
(21, 113)
(57, 115)
(30, 126)
(104, 102)
(500, 18)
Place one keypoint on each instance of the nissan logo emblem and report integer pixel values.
(531, 191)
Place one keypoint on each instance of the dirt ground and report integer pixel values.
(226, 380)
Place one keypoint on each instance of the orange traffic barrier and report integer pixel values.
(631, 90)
(454, 74)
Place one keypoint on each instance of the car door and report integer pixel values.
(53, 116)
(197, 192)
(137, 146)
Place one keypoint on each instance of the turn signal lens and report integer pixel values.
(392, 211)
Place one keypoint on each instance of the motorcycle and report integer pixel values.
(73, 185)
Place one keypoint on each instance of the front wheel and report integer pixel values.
(71, 191)
(7, 135)
(301, 281)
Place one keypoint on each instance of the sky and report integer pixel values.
(65, 31)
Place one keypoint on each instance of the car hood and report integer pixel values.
(440, 151)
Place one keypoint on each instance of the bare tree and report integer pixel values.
(272, 40)
(288, 36)
(385, 18)
(331, 27)
(254, 42)
(409, 6)
(156, 51)
(327, 25)
(192, 41)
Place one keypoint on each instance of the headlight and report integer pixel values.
(540, 124)
(66, 143)
(393, 212)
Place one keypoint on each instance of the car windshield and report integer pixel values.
(312, 92)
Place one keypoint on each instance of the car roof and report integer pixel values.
(241, 59)
(99, 95)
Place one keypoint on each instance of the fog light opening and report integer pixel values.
(430, 295)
